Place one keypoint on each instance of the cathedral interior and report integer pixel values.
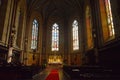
(74, 35)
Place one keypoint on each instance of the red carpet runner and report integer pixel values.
(53, 75)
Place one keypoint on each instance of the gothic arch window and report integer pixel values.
(55, 37)
(34, 40)
(107, 20)
(75, 35)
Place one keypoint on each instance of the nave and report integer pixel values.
(46, 72)
(85, 72)
(81, 35)
(59, 72)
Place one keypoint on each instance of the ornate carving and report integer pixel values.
(12, 36)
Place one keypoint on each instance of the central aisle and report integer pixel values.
(54, 75)
(48, 73)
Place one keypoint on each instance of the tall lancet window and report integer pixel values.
(34, 40)
(106, 20)
(55, 37)
(75, 35)
(109, 18)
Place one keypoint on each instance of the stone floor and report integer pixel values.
(42, 75)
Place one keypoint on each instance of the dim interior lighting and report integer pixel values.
(0, 2)
(55, 60)
(10, 55)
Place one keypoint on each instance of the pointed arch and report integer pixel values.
(34, 40)
(55, 37)
(75, 35)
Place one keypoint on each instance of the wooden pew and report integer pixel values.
(13, 72)
(91, 72)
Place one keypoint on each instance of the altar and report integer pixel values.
(55, 59)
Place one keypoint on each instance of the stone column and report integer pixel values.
(12, 32)
(12, 38)
(69, 62)
(96, 25)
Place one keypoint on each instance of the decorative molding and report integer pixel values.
(3, 44)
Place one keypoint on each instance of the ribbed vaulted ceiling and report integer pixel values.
(59, 8)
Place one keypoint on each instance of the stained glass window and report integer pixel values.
(109, 18)
(55, 37)
(34, 34)
(75, 35)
